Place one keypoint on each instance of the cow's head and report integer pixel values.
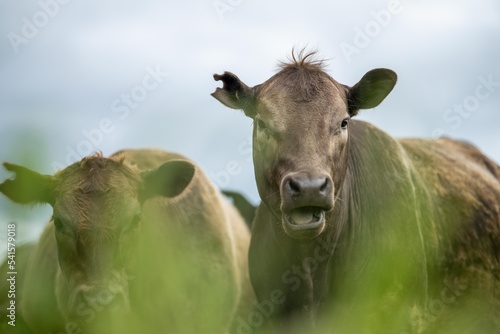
(301, 134)
(96, 217)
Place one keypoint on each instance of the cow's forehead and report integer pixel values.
(301, 89)
(96, 173)
(284, 109)
(96, 186)
(96, 206)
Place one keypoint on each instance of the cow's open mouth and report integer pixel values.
(304, 222)
(305, 216)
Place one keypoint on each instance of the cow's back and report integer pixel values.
(456, 162)
(145, 159)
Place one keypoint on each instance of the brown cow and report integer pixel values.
(139, 242)
(354, 220)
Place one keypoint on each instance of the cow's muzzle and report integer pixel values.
(305, 197)
(105, 299)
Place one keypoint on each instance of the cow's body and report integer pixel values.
(424, 213)
(190, 259)
(356, 225)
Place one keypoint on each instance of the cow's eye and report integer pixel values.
(344, 123)
(261, 125)
(58, 224)
(136, 220)
(133, 224)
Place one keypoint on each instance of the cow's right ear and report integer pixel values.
(235, 94)
(168, 180)
(28, 187)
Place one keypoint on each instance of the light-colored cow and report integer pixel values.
(138, 242)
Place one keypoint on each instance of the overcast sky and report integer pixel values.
(76, 77)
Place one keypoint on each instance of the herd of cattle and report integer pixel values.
(357, 232)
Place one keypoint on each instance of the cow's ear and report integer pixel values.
(28, 187)
(371, 90)
(168, 180)
(235, 94)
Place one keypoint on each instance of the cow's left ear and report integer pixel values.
(168, 180)
(235, 94)
(28, 187)
(371, 90)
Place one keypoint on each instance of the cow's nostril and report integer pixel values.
(293, 186)
(326, 186)
(307, 190)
